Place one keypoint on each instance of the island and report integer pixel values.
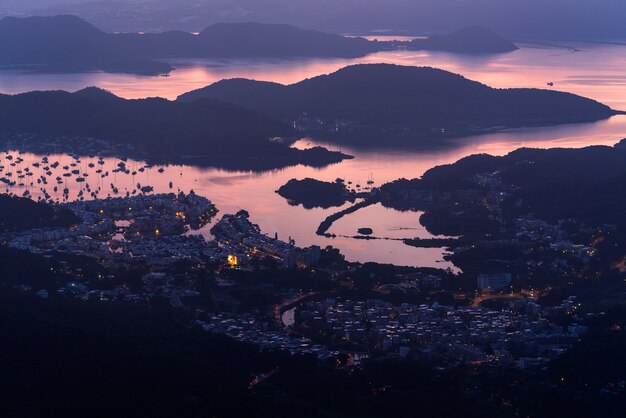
(312, 193)
(204, 132)
(469, 40)
(407, 106)
(67, 43)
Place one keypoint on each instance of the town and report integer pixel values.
(337, 311)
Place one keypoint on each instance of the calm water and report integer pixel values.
(595, 71)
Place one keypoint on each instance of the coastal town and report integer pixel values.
(158, 232)
(524, 335)
(312, 209)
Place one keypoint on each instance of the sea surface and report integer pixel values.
(595, 70)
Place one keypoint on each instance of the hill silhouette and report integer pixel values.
(312, 193)
(553, 184)
(415, 102)
(19, 213)
(210, 131)
(73, 43)
(68, 43)
(469, 40)
(269, 40)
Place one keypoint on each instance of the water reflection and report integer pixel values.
(255, 192)
(590, 70)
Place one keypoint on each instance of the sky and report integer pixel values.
(551, 18)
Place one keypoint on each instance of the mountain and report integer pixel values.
(470, 40)
(49, 39)
(209, 131)
(269, 40)
(564, 19)
(68, 43)
(69, 40)
(410, 102)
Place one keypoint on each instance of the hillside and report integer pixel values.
(18, 213)
(270, 40)
(470, 40)
(414, 102)
(72, 41)
(211, 132)
(552, 184)
(68, 43)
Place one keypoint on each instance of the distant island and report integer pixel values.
(470, 40)
(72, 44)
(408, 106)
(312, 193)
(67, 43)
(203, 132)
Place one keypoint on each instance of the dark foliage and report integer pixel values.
(69, 39)
(312, 193)
(207, 130)
(470, 40)
(423, 100)
(18, 213)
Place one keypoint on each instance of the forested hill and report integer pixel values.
(207, 129)
(423, 99)
(18, 213)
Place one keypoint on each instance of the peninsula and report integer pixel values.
(214, 133)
